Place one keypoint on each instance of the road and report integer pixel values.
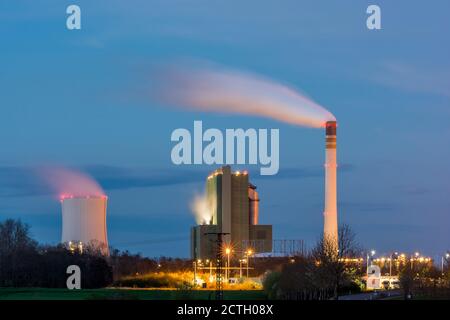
(379, 295)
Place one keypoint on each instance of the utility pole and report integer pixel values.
(219, 271)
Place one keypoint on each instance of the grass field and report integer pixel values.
(123, 294)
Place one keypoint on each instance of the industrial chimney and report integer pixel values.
(330, 228)
(84, 222)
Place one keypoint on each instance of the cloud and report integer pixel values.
(21, 182)
(429, 80)
(16, 181)
(367, 206)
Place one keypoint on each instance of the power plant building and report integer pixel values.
(233, 203)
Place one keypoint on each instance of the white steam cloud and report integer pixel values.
(69, 182)
(228, 91)
(201, 210)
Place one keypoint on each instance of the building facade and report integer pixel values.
(233, 203)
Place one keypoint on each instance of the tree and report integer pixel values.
(17, 253)
(330, 258)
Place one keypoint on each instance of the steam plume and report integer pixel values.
(69, 182)
(200, 209)
(227, 91)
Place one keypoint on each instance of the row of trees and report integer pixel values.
(126, 264)
(424, 281)
(24, 263)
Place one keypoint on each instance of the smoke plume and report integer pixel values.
(228, 91)
(200, 209)
(69, 182)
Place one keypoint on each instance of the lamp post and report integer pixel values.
(210, 269)
(240, 268)
(372, 253)
(416, 254)
(447, 255)
(227, 269)
(390, 262)
(249, 253)
(195, 273)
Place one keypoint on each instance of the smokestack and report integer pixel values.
(84, 222)
(330, 228)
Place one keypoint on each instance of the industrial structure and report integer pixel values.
(84, 222)
(233, 205)
(330, 228)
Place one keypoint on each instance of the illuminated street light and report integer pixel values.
(195, 272)
(227, 269)
(372, 253)
(249, 253)
(447, 255)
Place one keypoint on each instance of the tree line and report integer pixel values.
(26, 263)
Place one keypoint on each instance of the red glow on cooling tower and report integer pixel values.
(65, 196)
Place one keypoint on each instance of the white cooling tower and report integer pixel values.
(84, 221)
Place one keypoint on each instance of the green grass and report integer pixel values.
(122, 294)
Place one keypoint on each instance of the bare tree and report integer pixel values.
(17, 251)
(330, 258)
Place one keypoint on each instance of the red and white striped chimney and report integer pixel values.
(330, 228)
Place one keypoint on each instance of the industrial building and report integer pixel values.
(84, 222)
(233, 203)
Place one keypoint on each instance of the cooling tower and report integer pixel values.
(84, 222)
(330, 229)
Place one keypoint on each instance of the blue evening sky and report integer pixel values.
(78, 98)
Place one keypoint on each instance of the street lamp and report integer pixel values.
(447, 255)
(195, 273)
(416, 254)
(249, 253)
(390, 262)
(228, 251)
(372, 253)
